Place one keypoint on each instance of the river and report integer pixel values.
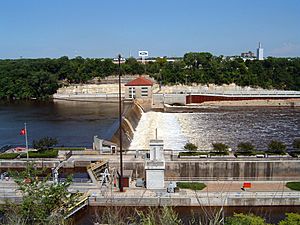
(72, 123)
(75, 124)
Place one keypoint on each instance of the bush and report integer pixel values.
(296, 144)
(8, 155)
(242, 219)
(52, 153)
(44, 143)
(220, 147)
(276, 147)
(218, 153)
(190, 147)
(245, 153)
(291, 219)
(69, 149)
(245, 147)
(293, 185)
(192, 153)
(191, 185)
(294, 153)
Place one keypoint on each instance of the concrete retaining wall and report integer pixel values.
(231, 169)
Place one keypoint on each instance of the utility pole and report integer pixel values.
(120, 127)
(26, 141)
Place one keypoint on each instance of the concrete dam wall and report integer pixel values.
(130, 119)
(225, 170)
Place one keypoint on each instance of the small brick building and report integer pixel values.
(139, 88)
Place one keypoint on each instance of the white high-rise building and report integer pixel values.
(260, 52)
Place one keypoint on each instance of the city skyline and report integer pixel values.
(34, 29)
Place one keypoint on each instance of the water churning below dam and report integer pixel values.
(258, 125)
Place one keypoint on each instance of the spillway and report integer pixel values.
(168, 129)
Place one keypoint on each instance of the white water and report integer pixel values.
(168, 130)
(258, 125)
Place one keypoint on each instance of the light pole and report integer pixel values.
(120, 127)
(26, 141)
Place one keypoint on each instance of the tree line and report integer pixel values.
(40, 78)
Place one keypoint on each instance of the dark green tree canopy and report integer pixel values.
(40, 78)
(220, 147)
(276, 147)
(44, 143)
(190, 147)
(246, 147)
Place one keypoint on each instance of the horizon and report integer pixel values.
(93, 29)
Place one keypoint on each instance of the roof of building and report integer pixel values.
(140, 81)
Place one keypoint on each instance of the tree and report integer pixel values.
(291, 219)
(190, 147)
(276, 147)
(246, 147)
(220, 147)
(296, 144)
(242, 219)
(43, 202)
(44, 143)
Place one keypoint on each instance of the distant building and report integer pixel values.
(247, 54)
(260, 52)
(139, 88)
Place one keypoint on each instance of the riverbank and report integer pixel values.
(255, 103)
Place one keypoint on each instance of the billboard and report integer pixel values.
(143, 53)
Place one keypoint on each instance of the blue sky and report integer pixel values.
(99, 28)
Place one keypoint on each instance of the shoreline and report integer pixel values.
(292, 102)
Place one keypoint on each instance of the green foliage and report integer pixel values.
(51, 153)
(42, 202)
(276, 147)
(291, 219)
(246, 147)
(245, 153)
(9, 155)
(156, 216)
(69, 149)
(294, 153)
(220, 147)
(40, 78)
(191, 185)
(218, 153)
(190, 147)
(44, 143)
(192, 153)
(296, 144)
(242, 219)
(293, 185)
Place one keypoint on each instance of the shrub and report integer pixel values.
(276, 147)
(190, 147)
(245, 147)
(294, 153)
(191, 185)
(192, 153)
(293, 185)
(291, 219)
(218, 153)
(220, 147)
(69, 149)
(52, 153)
(296, 144)
(8, 155)
(242, 219)
(44, 143)
(245, 153)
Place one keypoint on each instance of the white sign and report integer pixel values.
(143, 53)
